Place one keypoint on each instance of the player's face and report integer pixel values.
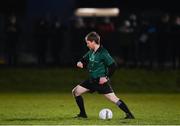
(90, 44)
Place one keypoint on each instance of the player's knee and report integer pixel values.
(74, 91)
(112, 98)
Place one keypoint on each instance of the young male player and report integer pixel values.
(101, 67)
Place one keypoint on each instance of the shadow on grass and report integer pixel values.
(64, 120)
(36, 119)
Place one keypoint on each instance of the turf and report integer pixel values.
(59, 108)
(64, 79)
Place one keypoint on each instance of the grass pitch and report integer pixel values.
(59, 108)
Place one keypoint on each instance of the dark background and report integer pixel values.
(30, 11)
(41, 58)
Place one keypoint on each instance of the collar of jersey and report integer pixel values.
(99, 49)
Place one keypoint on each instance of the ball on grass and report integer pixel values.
(105, 113)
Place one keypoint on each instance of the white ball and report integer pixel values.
(105, 114)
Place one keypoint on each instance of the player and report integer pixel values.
(101, 67)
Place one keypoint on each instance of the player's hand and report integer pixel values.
(80, 64)
(103, 80)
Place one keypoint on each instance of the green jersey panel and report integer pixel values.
(98, 62)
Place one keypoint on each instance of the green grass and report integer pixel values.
(59, 108)
(43, 96)
(64, 79)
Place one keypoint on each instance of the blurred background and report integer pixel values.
(50, 33)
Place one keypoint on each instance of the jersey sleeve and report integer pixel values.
(108, 60)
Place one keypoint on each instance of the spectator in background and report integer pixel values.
(41, 34)
(134, 26)
(143, 43)
(56, 41)
(164, 29)
(126, 27)
(91, 25)
(176, 42)
(78, 30)
(152, 41)
(106, 26)
(133, 20)
(12, 34)
(125, 40)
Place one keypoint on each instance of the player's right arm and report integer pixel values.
(82, 63)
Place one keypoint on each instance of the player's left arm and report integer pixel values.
(111, 66)
(110, 63)
(111, 69)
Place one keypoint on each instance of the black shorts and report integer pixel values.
(93, 85)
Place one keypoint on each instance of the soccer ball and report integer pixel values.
(105, 114)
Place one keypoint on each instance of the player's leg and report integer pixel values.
(113, 98)
(77, 92)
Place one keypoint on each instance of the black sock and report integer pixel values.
(123, 106)
(80, 103)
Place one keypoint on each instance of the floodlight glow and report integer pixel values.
(100, 12)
